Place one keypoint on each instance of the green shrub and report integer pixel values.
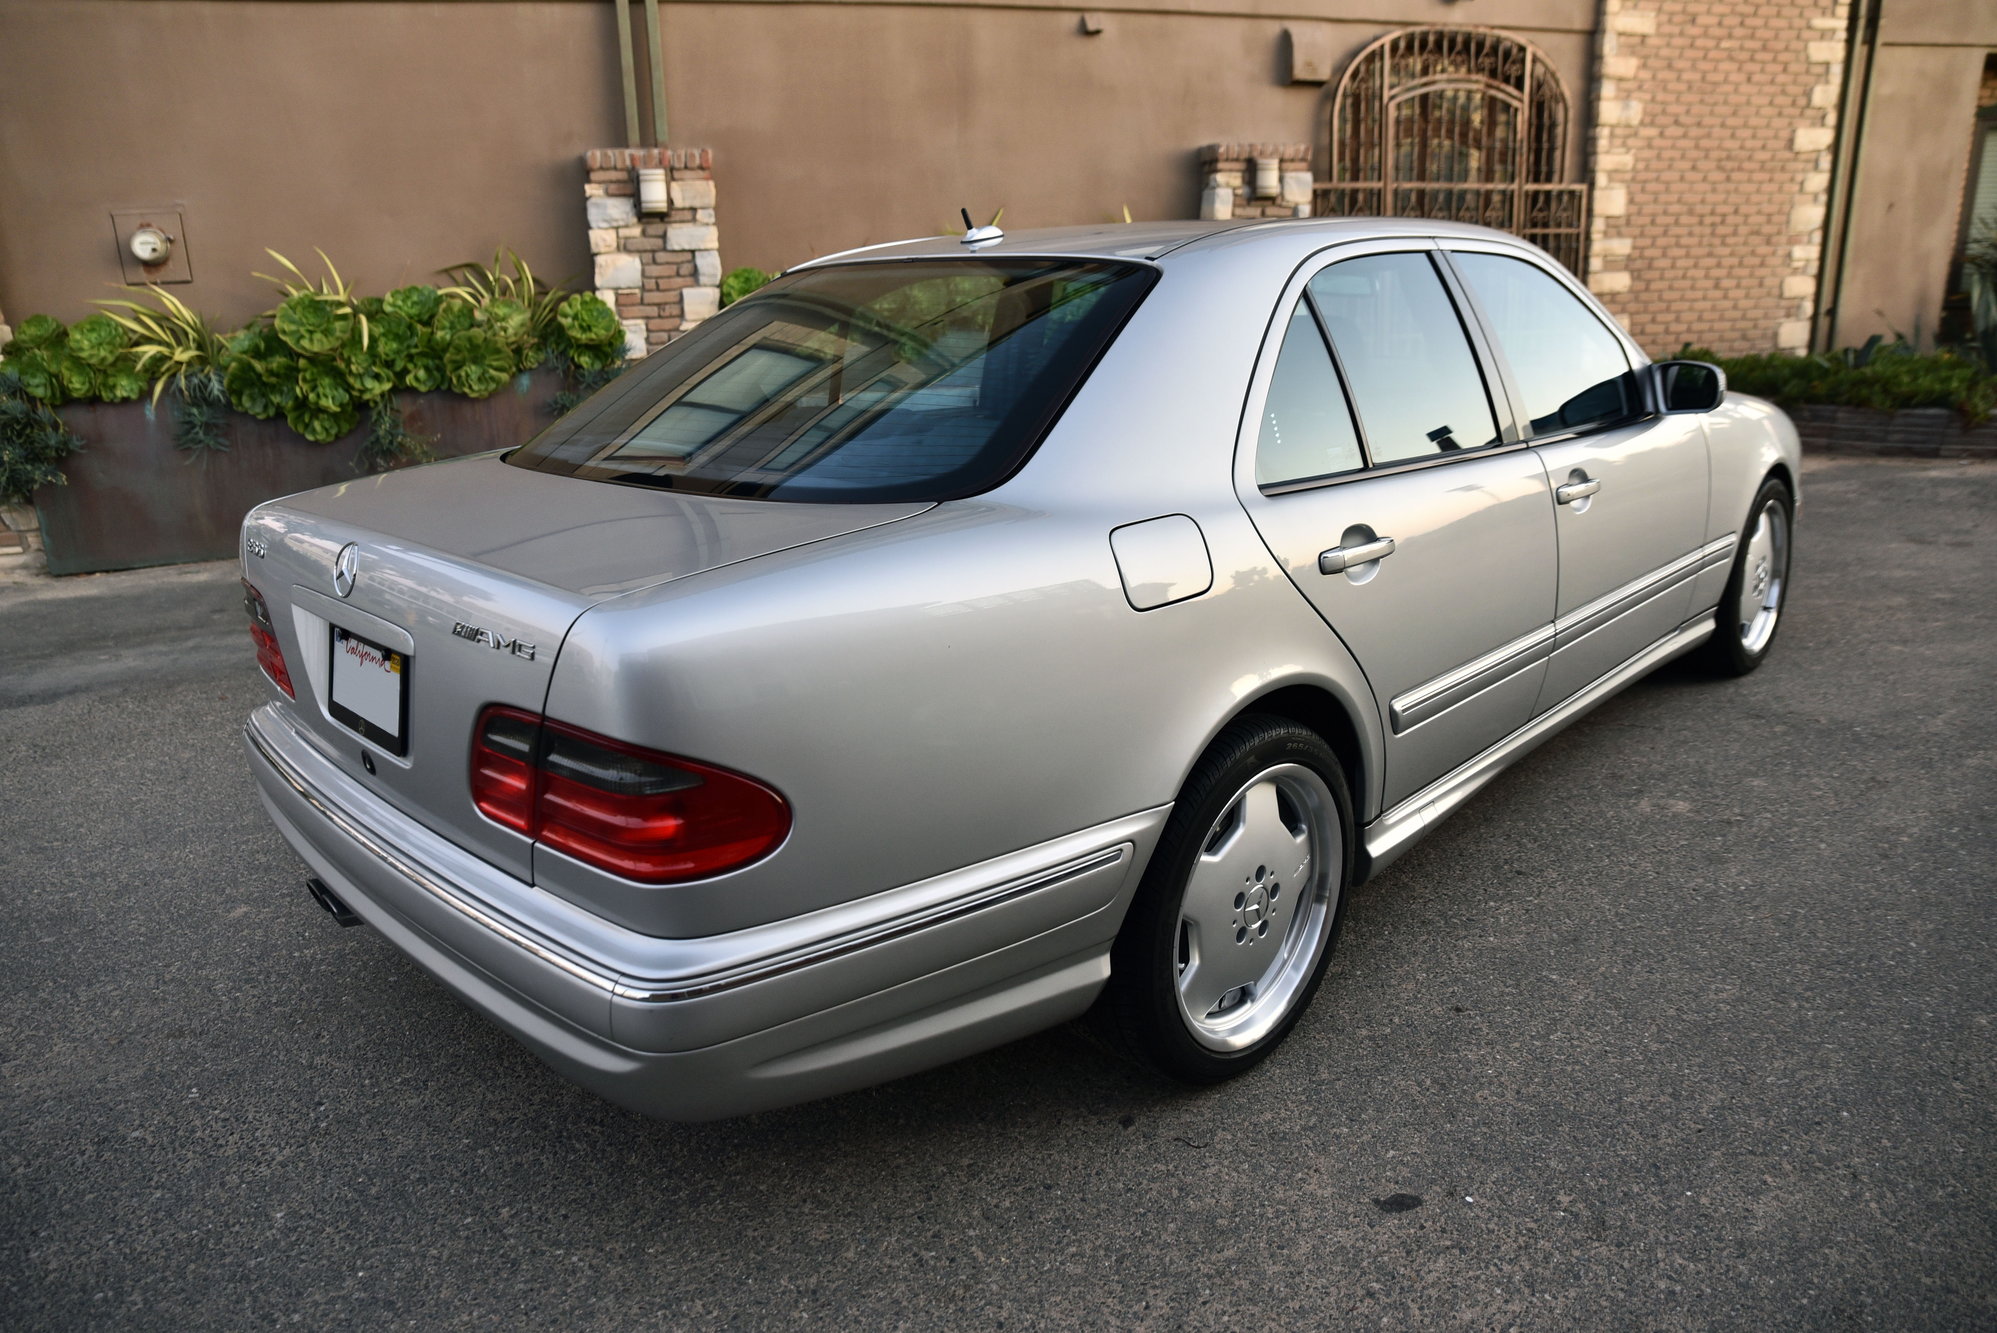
(319, 359)
(33, 440)
(1887, 377)
(738, 283)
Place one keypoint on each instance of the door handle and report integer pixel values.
(1341, 558)
(1569, 492)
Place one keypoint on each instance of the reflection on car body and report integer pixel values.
(953, 638)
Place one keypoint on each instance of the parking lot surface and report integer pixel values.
(1686, 1022)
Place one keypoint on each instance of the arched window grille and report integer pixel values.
(1465, 124)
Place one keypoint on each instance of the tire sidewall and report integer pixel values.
(1729, 654)
(1144, 959)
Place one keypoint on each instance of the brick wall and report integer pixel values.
(661, 272)
(1227, 173)
(1714, 125)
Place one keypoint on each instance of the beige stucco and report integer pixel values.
(1906, 198)
(402, 136)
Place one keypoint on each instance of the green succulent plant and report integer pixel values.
(455, 315)
(424, 371)
(320, 427)
(507, 320)
(417, 304)
(588, 322)
(322, 387)
(98, 340)
(476, 364)
(394, 338)
(367, 377)
(122, 381)
(314, 325)
(79, 378)
(38, 331)
(40, 377)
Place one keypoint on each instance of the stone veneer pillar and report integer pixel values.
(661, 272)
(1228, 174)
(1714, 128)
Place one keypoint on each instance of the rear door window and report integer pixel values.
(1307, 429)
(1571, 371)
(1406, 357)
(923, 380)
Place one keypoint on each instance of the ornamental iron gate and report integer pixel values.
(1462, 124)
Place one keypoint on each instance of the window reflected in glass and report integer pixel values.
(1405, 356)
(1570, 369)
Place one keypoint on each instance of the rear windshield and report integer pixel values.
(909, 380)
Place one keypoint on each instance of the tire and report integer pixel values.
(1234, 922)
(1750, 610)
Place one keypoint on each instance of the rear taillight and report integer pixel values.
(269, 656)
(636, 813)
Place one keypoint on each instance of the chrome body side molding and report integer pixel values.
(1425, 701)
(1399, 828)
(1446, 691)
(1584, 620)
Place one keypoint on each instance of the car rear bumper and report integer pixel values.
(723, 1025)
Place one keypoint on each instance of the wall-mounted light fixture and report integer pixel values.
(1268, 177)
(654, 196)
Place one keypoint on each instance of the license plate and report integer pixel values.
(370, 690)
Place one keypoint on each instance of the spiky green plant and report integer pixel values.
(171, 341)
(389, 443)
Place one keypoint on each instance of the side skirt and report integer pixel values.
(1403, 826)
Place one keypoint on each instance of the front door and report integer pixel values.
(1382, 483)
(1629, 496)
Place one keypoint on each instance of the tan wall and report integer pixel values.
(1906, 202)
(402, 136)
(913, 112)
(398, 137)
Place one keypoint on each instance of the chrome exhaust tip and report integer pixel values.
(326, 898)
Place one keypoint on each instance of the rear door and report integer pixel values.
(1385, 480)
(1628, 492)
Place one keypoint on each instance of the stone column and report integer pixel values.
(660, 272)
(1228, 173)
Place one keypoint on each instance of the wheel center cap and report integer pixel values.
(1760, 578)
(1256, 909)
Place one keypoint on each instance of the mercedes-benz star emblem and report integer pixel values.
(343, 569)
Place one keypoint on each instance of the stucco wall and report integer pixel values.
(1912, 166)
(401, 136)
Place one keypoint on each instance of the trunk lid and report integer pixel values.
(474, 570)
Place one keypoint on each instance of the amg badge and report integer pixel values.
(497, 642)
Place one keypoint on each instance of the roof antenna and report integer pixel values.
(975, 236)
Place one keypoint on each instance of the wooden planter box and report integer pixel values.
(134, 500)
(1911, 432)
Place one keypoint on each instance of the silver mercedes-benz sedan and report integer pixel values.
(956, 636)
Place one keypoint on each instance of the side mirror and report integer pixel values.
(1684, 386)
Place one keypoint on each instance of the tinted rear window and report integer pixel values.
(923, 380)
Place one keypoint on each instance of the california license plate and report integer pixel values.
(370, 691)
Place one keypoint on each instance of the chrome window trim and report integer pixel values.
(1248, 431)
(1390, 470)
(662, 990)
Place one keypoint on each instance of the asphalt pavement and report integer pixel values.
(1686, 1022)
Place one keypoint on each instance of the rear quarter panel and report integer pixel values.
(972, 680)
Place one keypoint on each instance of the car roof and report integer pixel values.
(1156, 240)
